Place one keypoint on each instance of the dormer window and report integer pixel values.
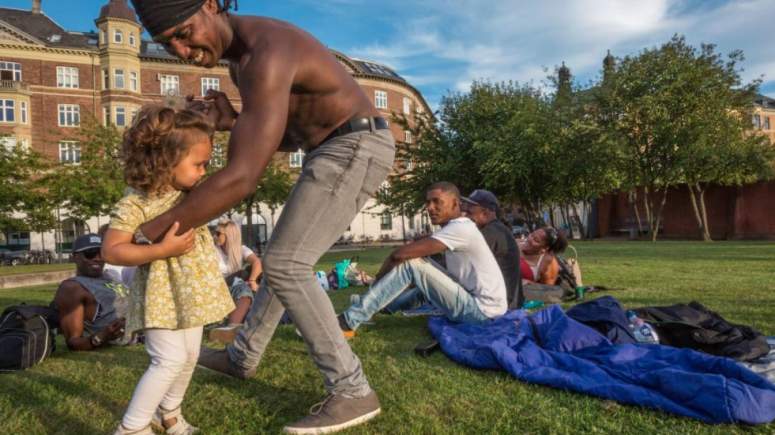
(132, 39)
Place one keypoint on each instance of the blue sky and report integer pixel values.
(442, 45)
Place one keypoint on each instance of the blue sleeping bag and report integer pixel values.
(549, 348)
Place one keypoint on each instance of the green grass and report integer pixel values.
(85, 393)
(35, 268)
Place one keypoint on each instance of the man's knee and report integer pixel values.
(280, 269)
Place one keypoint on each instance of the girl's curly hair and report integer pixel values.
(157, 141)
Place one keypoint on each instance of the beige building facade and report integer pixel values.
(52, 80)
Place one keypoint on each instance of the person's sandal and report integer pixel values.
(181, 426)
(121, 430)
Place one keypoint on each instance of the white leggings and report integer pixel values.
(173, 358)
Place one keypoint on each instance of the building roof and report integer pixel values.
(367, 67)
(45, 30)
(765, 101)
(117, 9)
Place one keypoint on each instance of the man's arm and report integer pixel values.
(265, 87)
(421, 248)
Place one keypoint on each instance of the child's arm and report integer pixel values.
(118, 249)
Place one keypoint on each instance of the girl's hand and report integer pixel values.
(175, 246)
(253, 285)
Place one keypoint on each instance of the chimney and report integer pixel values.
(35, 6)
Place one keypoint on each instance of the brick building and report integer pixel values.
(743, 212)
(51, 79)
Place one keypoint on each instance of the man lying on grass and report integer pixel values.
(471, 287)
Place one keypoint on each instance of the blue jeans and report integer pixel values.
(408, 300)
(435, 284)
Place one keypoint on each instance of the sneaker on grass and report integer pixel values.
(218, 360)
(336, 413)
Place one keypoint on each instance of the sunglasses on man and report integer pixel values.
(90, 254)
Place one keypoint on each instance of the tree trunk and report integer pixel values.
(647, 206)
(696, 208)
(658, 216)
(579, 222)
(403, 227)
(249, 216)
(704, 214)
(636, 210)
(58, 236)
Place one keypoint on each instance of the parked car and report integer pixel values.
(14, 258)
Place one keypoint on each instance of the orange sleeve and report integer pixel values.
(550, 273)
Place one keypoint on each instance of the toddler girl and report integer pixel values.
(177, 287)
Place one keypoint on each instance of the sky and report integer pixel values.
(441, 46)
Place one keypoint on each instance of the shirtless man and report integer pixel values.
(295, 94)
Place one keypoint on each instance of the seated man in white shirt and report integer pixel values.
(470, 289)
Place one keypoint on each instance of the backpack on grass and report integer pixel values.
(27, 336)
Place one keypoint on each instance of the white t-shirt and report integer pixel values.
(223, 260)
(471, 263)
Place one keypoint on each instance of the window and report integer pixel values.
(133, 81)
(118, 37)
(296, 159)
(102, 37)
(118, 78)
(407, 106)
(7, 111)
(170, 85)
(23, 110)
(757, 122)
(105, 81)
(10, 71)
(120, 116)
(385, 221)
(67, 77)
(210, 83)
(411, 222)
(106, 114)
(19, 240)
(69, 152)
(132, 39)
(69, 115)
(407, 136)
(380, 99)
(766, 122)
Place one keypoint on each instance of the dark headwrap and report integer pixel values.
(160, 15)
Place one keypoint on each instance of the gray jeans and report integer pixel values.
(336, 180)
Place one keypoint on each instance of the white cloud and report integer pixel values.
(452, 42)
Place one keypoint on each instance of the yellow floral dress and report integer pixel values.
(178, 292)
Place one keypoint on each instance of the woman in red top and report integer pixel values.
(537, 262)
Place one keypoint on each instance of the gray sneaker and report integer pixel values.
(218, 361)
(336, 413)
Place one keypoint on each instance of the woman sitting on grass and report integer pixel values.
(538, 262)
(177, 288)
(232, 256)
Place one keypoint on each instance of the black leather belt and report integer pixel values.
(355, 125)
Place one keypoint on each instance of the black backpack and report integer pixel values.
(27, 336)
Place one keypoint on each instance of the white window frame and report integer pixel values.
(67, 77)
(407, 136)
(14, 67)
(132, 39)
(296, 160)
(381, 99)
(69, 152)
(118, 36)
(121, 111)
(23, 112)
(5, 105)
(407, 106)
(168, 82)
(106, 115)
(213, 83)
(103, 37)
(757, 121)
(71, 114)
(133, 81)
(105, 78)
(385, 221)
(118, 78)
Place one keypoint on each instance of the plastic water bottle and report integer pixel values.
(642, 331)
(529, 305)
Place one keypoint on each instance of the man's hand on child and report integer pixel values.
(177, 245)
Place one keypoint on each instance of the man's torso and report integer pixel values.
(504, 248)
(323, 95)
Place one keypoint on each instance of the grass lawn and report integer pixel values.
(86, 393)
(35, 268)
